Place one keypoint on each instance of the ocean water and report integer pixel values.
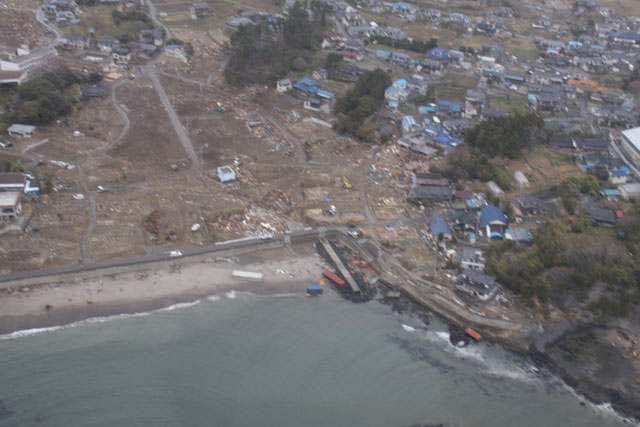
(238, 359)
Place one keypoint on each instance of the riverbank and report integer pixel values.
(63, 301)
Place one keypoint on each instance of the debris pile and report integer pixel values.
(251, 222)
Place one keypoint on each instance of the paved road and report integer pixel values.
(58, 32)
(175, 121)
(86, 237)
(154, 18)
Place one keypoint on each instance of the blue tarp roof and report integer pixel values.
(324, 94)
(307, 81)
(491, 213)
(630, 36)
(619, 173)
(438, 53)
(439, 225)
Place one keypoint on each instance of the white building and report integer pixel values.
(24, 131)
(630, 144)
(226, 174)
(10, 206)
(283, 85)
(629, 191)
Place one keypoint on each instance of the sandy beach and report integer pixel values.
(149, 288)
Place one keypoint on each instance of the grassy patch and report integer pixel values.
(512, 104)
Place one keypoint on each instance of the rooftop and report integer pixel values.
(9, 199)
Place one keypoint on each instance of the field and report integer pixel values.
(20, 27)
(510, 103)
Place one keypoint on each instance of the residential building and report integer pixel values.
(417, 144)
(417, 84)
(316, 104)
(431, 187)
(592, 144)
(604, 217)
(153, 36)
(471, 258)
(477, 284)
(10, 206)
(121, 55)
(200, 10)
(515, 77)
(78, 42)
(401, 59)
(107, 45)
(10, 73)
(439, 228)
(619, 176)
(396, 93)
(518, 235)
(528, 206)
(283, 85)
(320, 74)
(232, 25)
(175, 51)
(24, 131)
(473, 102)
(95, 91)
(12, 181)
(630, 191)
(494, 221)
(562, 143)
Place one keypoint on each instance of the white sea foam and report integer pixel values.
(477, 353)
(604, 409)
(94, 320)
(408, 328)
(214, 298)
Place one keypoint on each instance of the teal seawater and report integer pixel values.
(245, 360)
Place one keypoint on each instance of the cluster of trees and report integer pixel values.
(360, 102)
(265, 52)
(523, 270)
(42, 100)
(506, 136)
(570, 189)
(419, 46)
(468, 163)
(130, 15)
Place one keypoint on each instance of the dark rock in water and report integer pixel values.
(4, 411)
(457, 336)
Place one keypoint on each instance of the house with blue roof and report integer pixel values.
(410, 125)
(310, 87)
(494, 221)
(440, 227)
(449, 107)
(611, 194)
(426, 109)
(396, 93)
(438, 54)
(619, 176)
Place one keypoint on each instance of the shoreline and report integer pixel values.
(147, 289)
